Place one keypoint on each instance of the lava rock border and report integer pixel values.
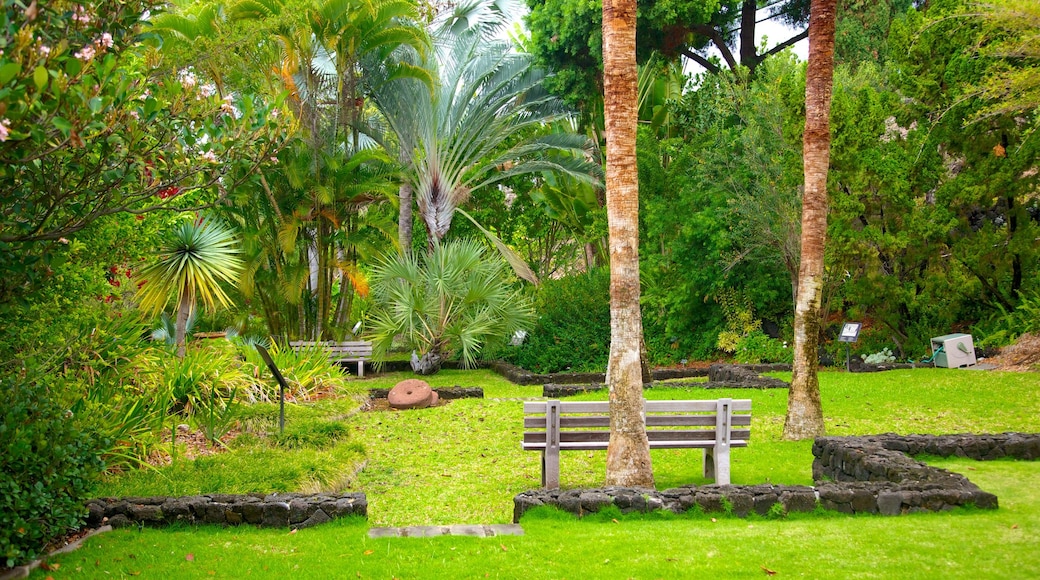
(869, 474)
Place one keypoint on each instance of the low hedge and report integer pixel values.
(47, 463)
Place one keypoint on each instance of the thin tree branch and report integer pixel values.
(707, 64)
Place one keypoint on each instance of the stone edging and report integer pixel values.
(445, 393)
(720, 376)
(871, 474)
(520, 376)
(276, 510)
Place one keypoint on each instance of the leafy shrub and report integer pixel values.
(1004, 327)
(307, 372)
(757, 347)
(572, 331)
(104, 374)
(47, 464)
(882, 357)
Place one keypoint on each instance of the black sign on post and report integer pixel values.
(281, 385)
(849, 333)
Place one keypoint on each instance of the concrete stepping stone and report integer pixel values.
(471, 530)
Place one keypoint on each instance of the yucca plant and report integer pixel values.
(456, 300)
(199, 256)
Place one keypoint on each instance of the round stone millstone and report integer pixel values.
(433, 398)
(410, 394)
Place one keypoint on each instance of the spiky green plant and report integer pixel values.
(199, 256)
(456, 300)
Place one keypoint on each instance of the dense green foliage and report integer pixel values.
(48, 464)
(572, 331)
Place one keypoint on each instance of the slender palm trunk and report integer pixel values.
(804, 410)
(628, 453)
(181, 327)
(404, 219)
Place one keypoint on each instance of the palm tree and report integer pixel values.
(458, 136)
(315, 216)
(628, 453)
(453, 300)
(804, 410)
(198, 257)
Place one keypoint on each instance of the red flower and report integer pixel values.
(168, 192)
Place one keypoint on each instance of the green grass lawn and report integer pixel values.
(462, 463)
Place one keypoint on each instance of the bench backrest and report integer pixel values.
(682, 423)
(337, 349)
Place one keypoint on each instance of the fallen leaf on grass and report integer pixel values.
(369, 552)
(713, 520)
(1014, 526)
(504, 548)
(615, 520)
(190, 557)
(293, 531)
(133, 573)
(768, 571)
(50, 567)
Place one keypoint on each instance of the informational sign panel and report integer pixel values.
(850, 332)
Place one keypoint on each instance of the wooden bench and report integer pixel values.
(714, 426)
(340, 352)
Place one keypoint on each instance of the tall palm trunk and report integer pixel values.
(628, 453)
(804, 411)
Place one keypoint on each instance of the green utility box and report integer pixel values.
(958, 350)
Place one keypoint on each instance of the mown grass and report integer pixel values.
(961, 544)
(462, 463)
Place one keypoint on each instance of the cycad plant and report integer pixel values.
(199, 255)
(453, 301)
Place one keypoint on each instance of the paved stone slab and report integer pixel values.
(505, 530)
(476, 531)
(384, 532)
(425, 531)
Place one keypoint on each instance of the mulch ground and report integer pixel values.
(1022, 356)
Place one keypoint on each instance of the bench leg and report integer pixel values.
(361, 369)
(716, 464)
(551, 455)
(551, 469)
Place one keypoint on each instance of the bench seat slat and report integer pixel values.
(567, 421)
(568, 407)
(598, 446)
(653, 436)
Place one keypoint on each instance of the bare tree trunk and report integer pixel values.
(628, 453)
(804, 410)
